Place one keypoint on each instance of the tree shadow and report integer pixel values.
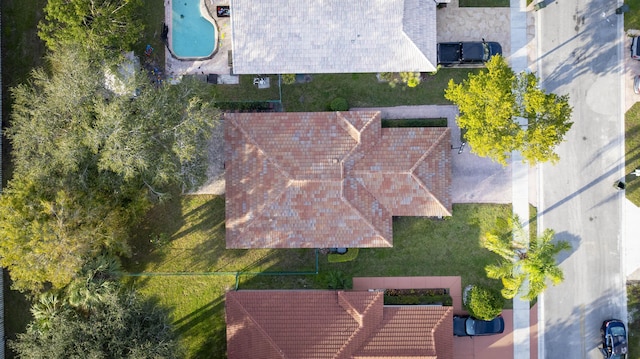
(572, 239)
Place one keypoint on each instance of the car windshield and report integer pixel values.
(469, 326)
(485, 48)
(617, 331)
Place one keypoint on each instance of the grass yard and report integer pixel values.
(185, 236)
(364, 90)
(632, 153)
(632, 17)
(152, 15)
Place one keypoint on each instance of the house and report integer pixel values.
(333, 36)
(329, 179)
(333, 324)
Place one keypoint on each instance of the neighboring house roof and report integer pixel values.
(333, 324)
(329, 179)
(333, 36)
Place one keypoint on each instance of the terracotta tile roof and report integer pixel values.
(333, 36)
(329, 179)
(333, 324)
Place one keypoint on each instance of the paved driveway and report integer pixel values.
(474, 23)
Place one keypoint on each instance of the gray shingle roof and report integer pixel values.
(333, 36)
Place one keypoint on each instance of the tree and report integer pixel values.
(122, 326)
(96, 24)
(523, 260)
(85, 161)
(492, 104)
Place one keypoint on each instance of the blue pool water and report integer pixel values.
(191, 34)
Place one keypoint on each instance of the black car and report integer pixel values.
(467, 326)
(614, 339)
(467, 53)
(635, 49)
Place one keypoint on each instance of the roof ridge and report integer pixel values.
(362, 328)
(362, 216)
(419, 161)
(258, 326)
(285, 173)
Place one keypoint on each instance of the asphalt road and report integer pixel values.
(580, 53)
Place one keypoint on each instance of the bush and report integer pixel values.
(483, 303)
(339, 104)
(417, 297)
(351, 254)
(288, 79)
(335, 280)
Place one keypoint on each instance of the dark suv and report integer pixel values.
(635, 51)
(614, 339)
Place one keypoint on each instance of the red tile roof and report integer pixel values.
(333, 324)
(329, 179)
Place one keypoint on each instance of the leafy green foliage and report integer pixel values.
(523, 260)
(121, 326)
(335, 280)
(84, 159)
(96, 24)
(491, 103)
(339, 104)
(410, 79)
(484, 303)
(288, 79)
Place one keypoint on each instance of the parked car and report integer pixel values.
(614, 339)
(460, 53)
(464, 326)
(635, 51)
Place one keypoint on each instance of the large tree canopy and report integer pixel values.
(96, 24)
(493, 104)
(84, 159)
(119, 326)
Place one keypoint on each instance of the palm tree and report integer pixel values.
(96, 281)
(523, 260)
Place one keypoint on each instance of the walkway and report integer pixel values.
(520, 176)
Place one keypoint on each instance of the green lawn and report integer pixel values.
(632, 152)
(186, 235)
(152, 15)
(632, 17)
(364, 90)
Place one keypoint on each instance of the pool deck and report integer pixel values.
(219, 63)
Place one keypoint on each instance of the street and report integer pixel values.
(580, 49)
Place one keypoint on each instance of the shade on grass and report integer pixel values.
(185, 236)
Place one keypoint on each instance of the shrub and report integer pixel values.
(339, 104)
(288, 79)
(483, 303)
(335, 280)
(351, 254)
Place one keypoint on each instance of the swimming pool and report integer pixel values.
(192, 35)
